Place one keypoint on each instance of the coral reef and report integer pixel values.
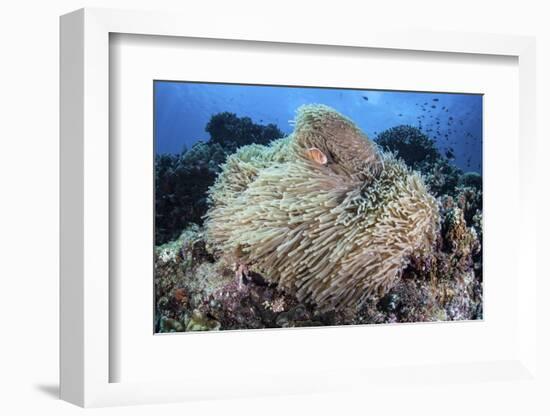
(182, 181)
(410, 144)
(324, 227)
(232, 132)
(197, 292)
(441, 177)
(472, 180)
(333, 234)
(420, 153)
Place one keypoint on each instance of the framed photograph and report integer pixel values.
(286, 213)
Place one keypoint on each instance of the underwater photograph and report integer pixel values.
(286, 206)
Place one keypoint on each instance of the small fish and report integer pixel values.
(316, 156)
(435, 99)
(450, 154)
(365, 98)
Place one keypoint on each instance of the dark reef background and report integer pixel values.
(182, 180)
(438, 135)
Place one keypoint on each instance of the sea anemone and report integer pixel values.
(335, 225)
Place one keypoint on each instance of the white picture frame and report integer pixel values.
(85, 353)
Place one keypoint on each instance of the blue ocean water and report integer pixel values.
(454, 121)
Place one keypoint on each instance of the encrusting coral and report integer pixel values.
(323, 213)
